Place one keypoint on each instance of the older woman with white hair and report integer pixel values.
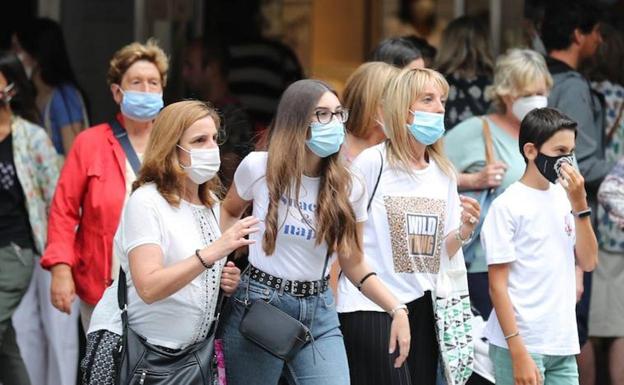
(521, 83)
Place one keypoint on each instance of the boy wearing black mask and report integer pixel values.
(531, 235)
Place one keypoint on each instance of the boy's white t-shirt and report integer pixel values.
(149, 219)
(533, 230)
(410, 216)
(297, 255)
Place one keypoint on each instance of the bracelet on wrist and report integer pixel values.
(512, 335)
(459, 238)
(207, 266)
(397, 308)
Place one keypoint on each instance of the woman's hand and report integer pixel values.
(234, 237)
(471, 213)
(490, 176)
(230, 277)
(62, 288)
(400, 332)
(525, 371)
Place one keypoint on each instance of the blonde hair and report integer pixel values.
(363, 93)
(401, 93)
(160, 162)
(517, 71)
(335, 218)
(132, 53)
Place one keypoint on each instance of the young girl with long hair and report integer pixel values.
(311, 208)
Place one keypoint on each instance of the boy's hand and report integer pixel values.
(525, 371)
(574, 184)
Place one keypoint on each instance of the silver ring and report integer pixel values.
(498, 177)
(472, 220)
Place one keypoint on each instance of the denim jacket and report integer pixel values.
(37, 166)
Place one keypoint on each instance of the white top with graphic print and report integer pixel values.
(533, 231)
(404, 236)
(296, 256)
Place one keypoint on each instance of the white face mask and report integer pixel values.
(205, 163)
(522, 106)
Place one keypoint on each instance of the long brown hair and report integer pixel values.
(335, 218)
(465, 49)
(161, 165)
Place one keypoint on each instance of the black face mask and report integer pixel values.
(549, 166)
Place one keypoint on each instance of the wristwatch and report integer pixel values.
(583, 213)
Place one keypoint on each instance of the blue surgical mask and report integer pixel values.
(326, 139)
(141, 106)
(427, 127)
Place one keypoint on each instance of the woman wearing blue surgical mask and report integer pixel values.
(96, 181)
(311, 210)
(415, 219)
(521, 83)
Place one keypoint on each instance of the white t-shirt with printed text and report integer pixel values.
(296, 256)
(533, 231)
(410, 216)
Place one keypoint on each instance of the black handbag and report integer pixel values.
(274, 330)
(139, 362)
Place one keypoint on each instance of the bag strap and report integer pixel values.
(490, 156)
(122, 137)
(370, 200)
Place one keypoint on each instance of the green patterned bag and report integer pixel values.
(453, 320)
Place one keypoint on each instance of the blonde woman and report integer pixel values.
(170, 244)
(311, 209)
(521, 83)
(416, 218)
(362, 98)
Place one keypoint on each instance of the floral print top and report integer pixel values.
(37, 166)
(610, 234)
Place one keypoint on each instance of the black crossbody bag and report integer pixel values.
(274, 330)
(139, 362)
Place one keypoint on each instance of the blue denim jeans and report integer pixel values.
(323, 362)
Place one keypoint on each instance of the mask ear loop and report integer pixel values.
(188, 152)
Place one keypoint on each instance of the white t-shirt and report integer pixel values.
(149, 219)
(404, 236)
(533, 230)
(296, 256)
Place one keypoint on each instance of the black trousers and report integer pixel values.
(367, 335)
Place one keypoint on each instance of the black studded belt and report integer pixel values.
(296, 288)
